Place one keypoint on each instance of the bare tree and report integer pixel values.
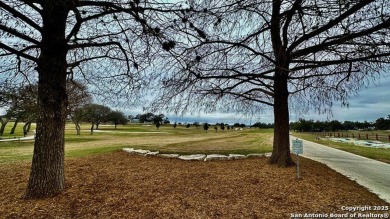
(249, 55)
(107, 44)
(78, 97)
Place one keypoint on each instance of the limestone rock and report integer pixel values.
(152, 153)
(168, 155)
(140, 151)
(216, 157)
(255, 155)
(193, 157)
(237, 156)
(128, 150)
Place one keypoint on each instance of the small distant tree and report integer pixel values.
(117, 117)
(174, 125)
(146, 117)
(196, 124)
(382, 123)
(188, 125)
(78, 115)
(158, 125)
(158, 120)
(222, 126)
(95, 114)
(4, 119)
(206, 126)
(78, 97)
(166, 121)
(20, 103)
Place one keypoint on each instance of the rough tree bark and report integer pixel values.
(281, 145)
(47, 177)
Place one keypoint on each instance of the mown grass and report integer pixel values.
(167, 139)
(18, 130)
(380, 154)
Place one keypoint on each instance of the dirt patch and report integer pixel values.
(121, 185)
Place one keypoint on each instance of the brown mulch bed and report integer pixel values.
(121, 185)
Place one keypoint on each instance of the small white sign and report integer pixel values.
(297, 146)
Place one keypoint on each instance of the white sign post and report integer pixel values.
(297, 147)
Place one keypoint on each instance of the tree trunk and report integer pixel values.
(281, 146)
(25, 128)
(28, 127)
(14, 126)
(78, 128)
(47, 176)
(93, 124)
(2, 128)
(4, 121)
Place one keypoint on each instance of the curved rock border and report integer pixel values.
(196, 157)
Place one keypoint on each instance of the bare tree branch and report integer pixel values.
(20, 15)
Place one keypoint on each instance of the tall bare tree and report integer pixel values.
(249, 54)
(104, 43)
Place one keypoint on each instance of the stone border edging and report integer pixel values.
(196, 157)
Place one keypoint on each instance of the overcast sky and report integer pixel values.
(369, 104)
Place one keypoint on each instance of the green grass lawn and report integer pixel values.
(166, 139)
(18, 130)
(380, 154)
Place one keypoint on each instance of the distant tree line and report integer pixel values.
(21, 106)
(156, 119)
(303, 125)
(263, 125)
(151, 117)
(97, 114)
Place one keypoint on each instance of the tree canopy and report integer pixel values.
(247, 55)
(107, 44)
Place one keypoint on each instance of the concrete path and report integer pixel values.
(369, 173)
(18, 139)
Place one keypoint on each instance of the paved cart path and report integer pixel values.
(369, 173)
